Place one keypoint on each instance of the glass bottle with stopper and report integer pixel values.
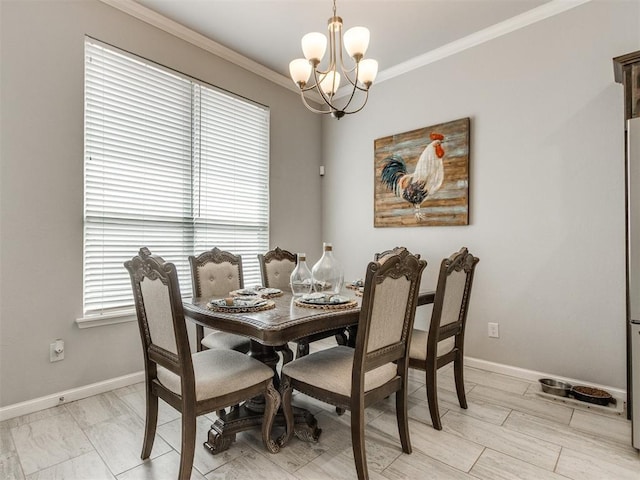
(327, 273)
(301, 279)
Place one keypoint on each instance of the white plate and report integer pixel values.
(244, 292)
(269, 291)
(324, 299)
(245, 302)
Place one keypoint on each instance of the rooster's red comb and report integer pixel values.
(437, 136)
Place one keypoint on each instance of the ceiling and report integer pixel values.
(269, 31)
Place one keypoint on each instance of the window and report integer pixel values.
(171, 164)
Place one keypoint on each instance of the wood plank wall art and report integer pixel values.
(422, 177)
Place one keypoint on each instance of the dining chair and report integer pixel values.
(215, 273)
(275, 267)
(354, 379)
(195, 384)
(443, 343)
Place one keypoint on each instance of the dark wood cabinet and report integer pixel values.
(626, 69)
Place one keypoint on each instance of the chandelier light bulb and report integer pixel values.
(330, 83)
(356, 41)
(300, 71)
(314, 45)
(367, 71)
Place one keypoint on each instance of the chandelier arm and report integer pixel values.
(314, 110)
(316, 72)
(353, 92)
(308, 88)
(358, 87)
(361, 106)
(328, 99)
(346, 75)
(346, 72)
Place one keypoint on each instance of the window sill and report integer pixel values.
(122, 316)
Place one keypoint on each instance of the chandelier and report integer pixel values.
(326, 82)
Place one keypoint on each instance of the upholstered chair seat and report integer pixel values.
(226, 341)
(418, 349)
(332, 370)
(218, 373)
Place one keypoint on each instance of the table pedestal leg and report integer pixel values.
(223, 432)
(249, 415)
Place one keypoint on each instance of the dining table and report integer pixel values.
(270, 330)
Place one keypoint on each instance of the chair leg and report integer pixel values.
(187, 450)
(357, 441)
(199, 337)
(287, 409)
(432, 398)
(272, 404)
(151, 422)
(458, 373)
(403, 419)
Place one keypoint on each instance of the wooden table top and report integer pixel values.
(284, 323)
(277, 326)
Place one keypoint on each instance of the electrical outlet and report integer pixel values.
(56, 351)
(493, 330)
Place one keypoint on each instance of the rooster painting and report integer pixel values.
(425, 180)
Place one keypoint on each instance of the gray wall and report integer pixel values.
(547, 187)
(42, 180)
(547, 199)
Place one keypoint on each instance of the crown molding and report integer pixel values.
(180, 31)
(554, 7)
(530, 17)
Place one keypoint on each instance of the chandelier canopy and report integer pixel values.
(327, 81)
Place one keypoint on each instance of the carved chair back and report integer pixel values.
(161, 320)
(276, 266)
(451, 303)
(387, 314)
(215, 273)
(379, 257)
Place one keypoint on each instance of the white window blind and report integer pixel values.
(171, 164)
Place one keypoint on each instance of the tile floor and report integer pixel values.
(508, 432)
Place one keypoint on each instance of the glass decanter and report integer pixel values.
(301, 279)
(327, 273)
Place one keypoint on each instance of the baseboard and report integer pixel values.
(79, 393)
(534, 376)
(30, 406)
